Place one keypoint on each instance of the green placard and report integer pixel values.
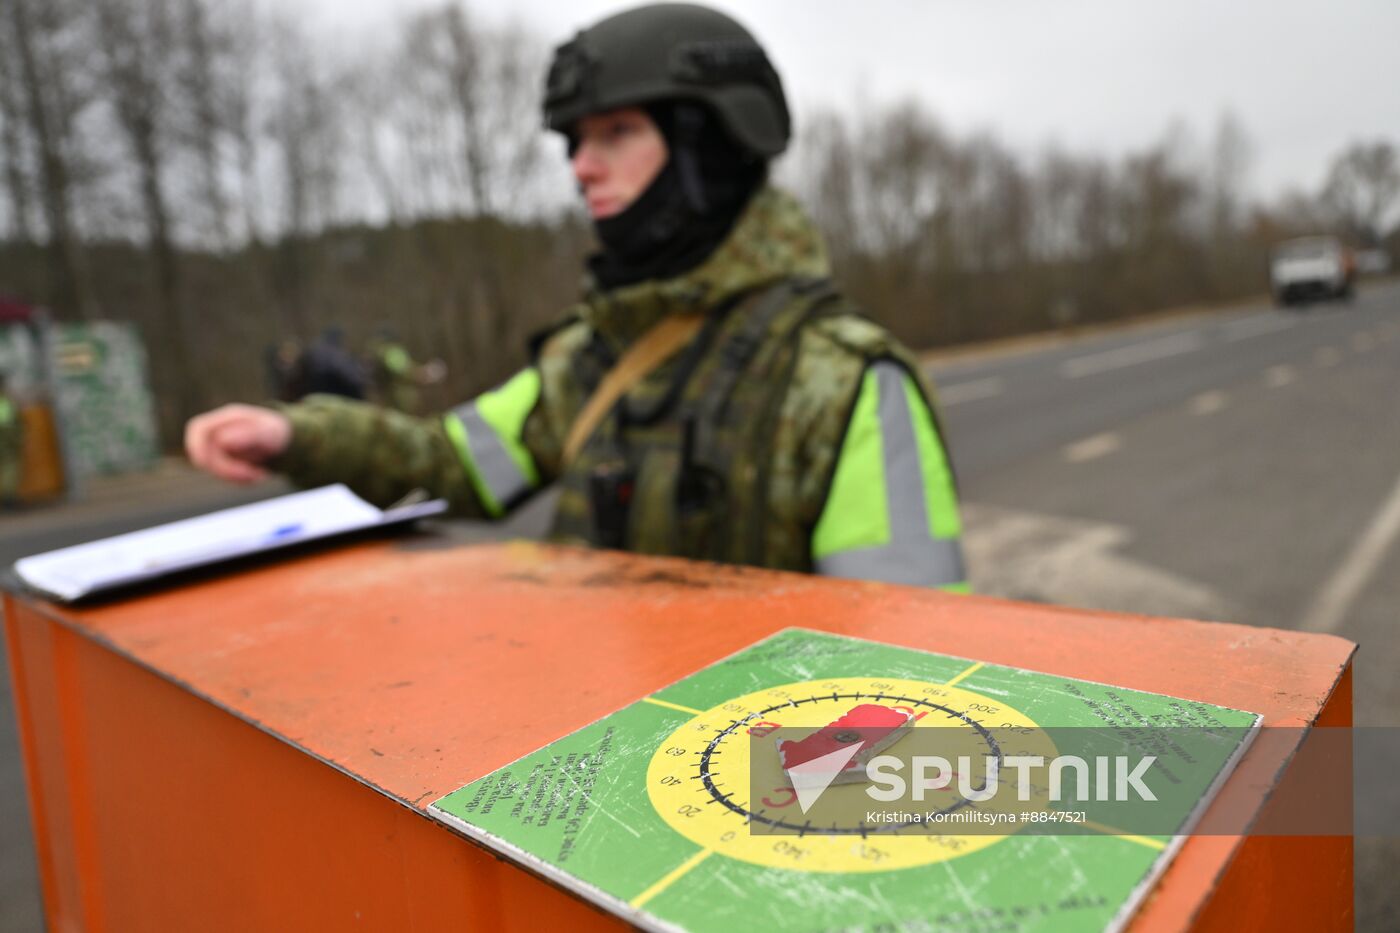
(675, 812)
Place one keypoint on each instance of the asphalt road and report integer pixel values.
(1242, 466)
(1252, 457)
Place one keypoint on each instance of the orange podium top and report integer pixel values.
(415, 667)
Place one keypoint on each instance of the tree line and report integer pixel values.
(215, 173)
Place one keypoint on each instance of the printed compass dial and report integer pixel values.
(699, 777)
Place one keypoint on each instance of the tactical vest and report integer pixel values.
(681, 466)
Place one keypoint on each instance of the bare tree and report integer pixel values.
(249, 85)
(470, 135)
(137, 44)
(369, 95)
(822, 166)
(1057, 196)
(14, 139)
(202, 64)
(1231, 155)
(486, 83)
(303, 130)
(1362, 187)
(40, 38)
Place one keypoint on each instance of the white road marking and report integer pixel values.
(1073, 562)
(1131, 355)
(1327, 356)
(1091, 448)
(1208, 403)
(1335, 599)
(1278, 376)
(1253, 327)
(1362, 342)
(970, 391)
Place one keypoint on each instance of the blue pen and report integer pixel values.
(286, 531)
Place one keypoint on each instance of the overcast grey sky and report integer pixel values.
(1306, 78)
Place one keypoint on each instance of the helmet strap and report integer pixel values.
(689, 123)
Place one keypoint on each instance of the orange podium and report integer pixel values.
(256, 749)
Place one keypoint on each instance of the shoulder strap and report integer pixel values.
(536, 341)
(651, 350)
(760, 325)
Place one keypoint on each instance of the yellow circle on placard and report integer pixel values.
(700, 777)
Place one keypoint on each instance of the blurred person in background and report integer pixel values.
(712, 395)
(283, 361)
(395, 377)
(327, 367)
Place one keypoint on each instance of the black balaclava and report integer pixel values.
(689, 207)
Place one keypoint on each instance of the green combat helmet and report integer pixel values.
(669, 51)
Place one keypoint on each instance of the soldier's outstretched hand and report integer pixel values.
(234, 441)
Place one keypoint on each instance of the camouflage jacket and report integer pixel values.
(845, 475)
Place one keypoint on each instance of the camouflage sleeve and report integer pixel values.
(561, 397)
(381, 454)
(832, 363)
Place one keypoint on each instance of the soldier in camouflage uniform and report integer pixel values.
(395, 377)
(393, 373)
(789, 432)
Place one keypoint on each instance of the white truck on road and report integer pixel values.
(1311, 267)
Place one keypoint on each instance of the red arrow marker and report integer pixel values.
(870, 726)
